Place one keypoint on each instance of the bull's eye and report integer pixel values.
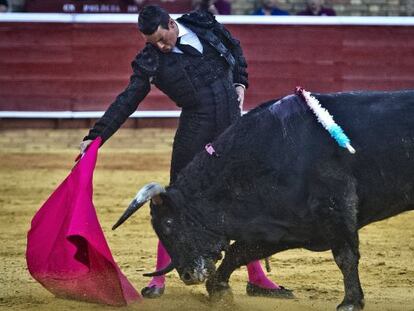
(167, 225)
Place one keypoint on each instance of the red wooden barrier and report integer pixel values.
(83, 66)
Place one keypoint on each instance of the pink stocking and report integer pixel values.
(163, 260)
(258, 277)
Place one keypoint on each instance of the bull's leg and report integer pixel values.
(239, 254)
(334, 200)
(347, 258)
(345, 247)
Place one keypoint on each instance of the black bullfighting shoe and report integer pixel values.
(281, 292)
(152, 292)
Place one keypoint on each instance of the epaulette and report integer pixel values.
(148, 59)
(199, 18)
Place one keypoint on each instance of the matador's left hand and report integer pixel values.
(240, 96)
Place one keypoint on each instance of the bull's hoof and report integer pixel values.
(219, 292)
(224, 298)
(347, 306)
(152, 292)
(281, 292)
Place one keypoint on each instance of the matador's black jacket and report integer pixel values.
(202, 85)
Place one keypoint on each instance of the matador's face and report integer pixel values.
(164, 39)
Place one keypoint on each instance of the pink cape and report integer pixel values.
(66, 249)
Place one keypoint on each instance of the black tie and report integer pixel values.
(186, 48)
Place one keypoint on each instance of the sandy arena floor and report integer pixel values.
(34, 162)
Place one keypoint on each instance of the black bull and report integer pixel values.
(278, 181)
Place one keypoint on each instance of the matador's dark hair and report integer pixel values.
(150, 17)
(205, 4)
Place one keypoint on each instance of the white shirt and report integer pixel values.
(187, 37)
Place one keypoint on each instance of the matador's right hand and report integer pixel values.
(84, 145)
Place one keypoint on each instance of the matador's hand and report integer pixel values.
(240, 90)
(84, 145)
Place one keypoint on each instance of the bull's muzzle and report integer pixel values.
(194, 276)
(198, 274)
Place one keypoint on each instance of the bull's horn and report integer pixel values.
(146, 193)
(167, 269)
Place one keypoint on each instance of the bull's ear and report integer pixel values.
(157, 200)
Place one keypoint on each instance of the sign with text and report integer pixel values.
(104, 6)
